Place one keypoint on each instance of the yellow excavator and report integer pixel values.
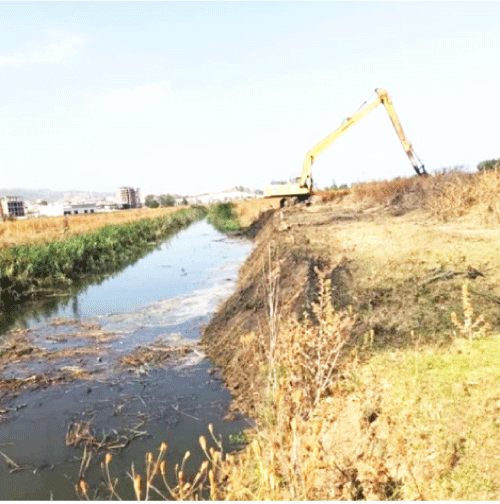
(301, 188)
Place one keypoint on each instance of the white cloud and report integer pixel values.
(60, 47)
(130, 99)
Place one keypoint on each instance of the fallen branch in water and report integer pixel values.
(14, 466)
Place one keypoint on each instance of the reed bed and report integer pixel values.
(28, 270)
(45, 229)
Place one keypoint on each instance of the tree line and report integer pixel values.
(163, 200)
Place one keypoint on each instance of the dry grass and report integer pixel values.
(153, 483)
(248, 211)
(420, 423)
(45, 229)
(448, 195)
(470, 327)
(336, 421)
(302, 365)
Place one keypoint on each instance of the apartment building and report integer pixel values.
(12, 206)
(129, 197)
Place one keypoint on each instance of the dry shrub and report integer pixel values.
(309, 351)
(456, 194)
(449, 194)
(391, 192)
(331, 195)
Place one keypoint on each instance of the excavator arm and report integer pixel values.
(415, 161)
(382, 97)
(302, 187)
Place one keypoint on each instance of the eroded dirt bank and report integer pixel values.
(399, 270)
(401, 273)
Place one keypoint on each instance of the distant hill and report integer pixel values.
(52, 196)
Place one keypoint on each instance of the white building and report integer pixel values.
(67, 209)
(82, 208)
(220, 197)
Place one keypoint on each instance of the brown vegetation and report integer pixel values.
(448, 195)
(411, 280)
(156, 355)
(45, 229)
(363, 340)
(249, 210)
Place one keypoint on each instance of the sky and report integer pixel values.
(191, 97)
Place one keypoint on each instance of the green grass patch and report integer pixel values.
(223, 217)
(27, 270)
(444, 408)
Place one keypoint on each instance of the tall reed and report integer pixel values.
(27, 270)
(223, 217)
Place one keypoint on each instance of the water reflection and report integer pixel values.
(28, 313)
(175, 267)
(166, 295)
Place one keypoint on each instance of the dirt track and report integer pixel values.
(398, 270)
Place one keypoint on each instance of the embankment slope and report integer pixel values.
(400, 270)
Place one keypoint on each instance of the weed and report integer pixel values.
(469, 328)
(223, 217)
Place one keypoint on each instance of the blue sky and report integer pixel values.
(187, 97)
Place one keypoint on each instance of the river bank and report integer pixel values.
(362, 340)
(116, 368)
(39, 269)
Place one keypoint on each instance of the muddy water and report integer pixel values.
(93, 339)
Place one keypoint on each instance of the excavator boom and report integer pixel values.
(415, 161)
(303, 187)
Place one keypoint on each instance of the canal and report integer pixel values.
(115, 366)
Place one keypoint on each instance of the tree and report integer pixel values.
(490, 164)
(151, 201)
(167, 200)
